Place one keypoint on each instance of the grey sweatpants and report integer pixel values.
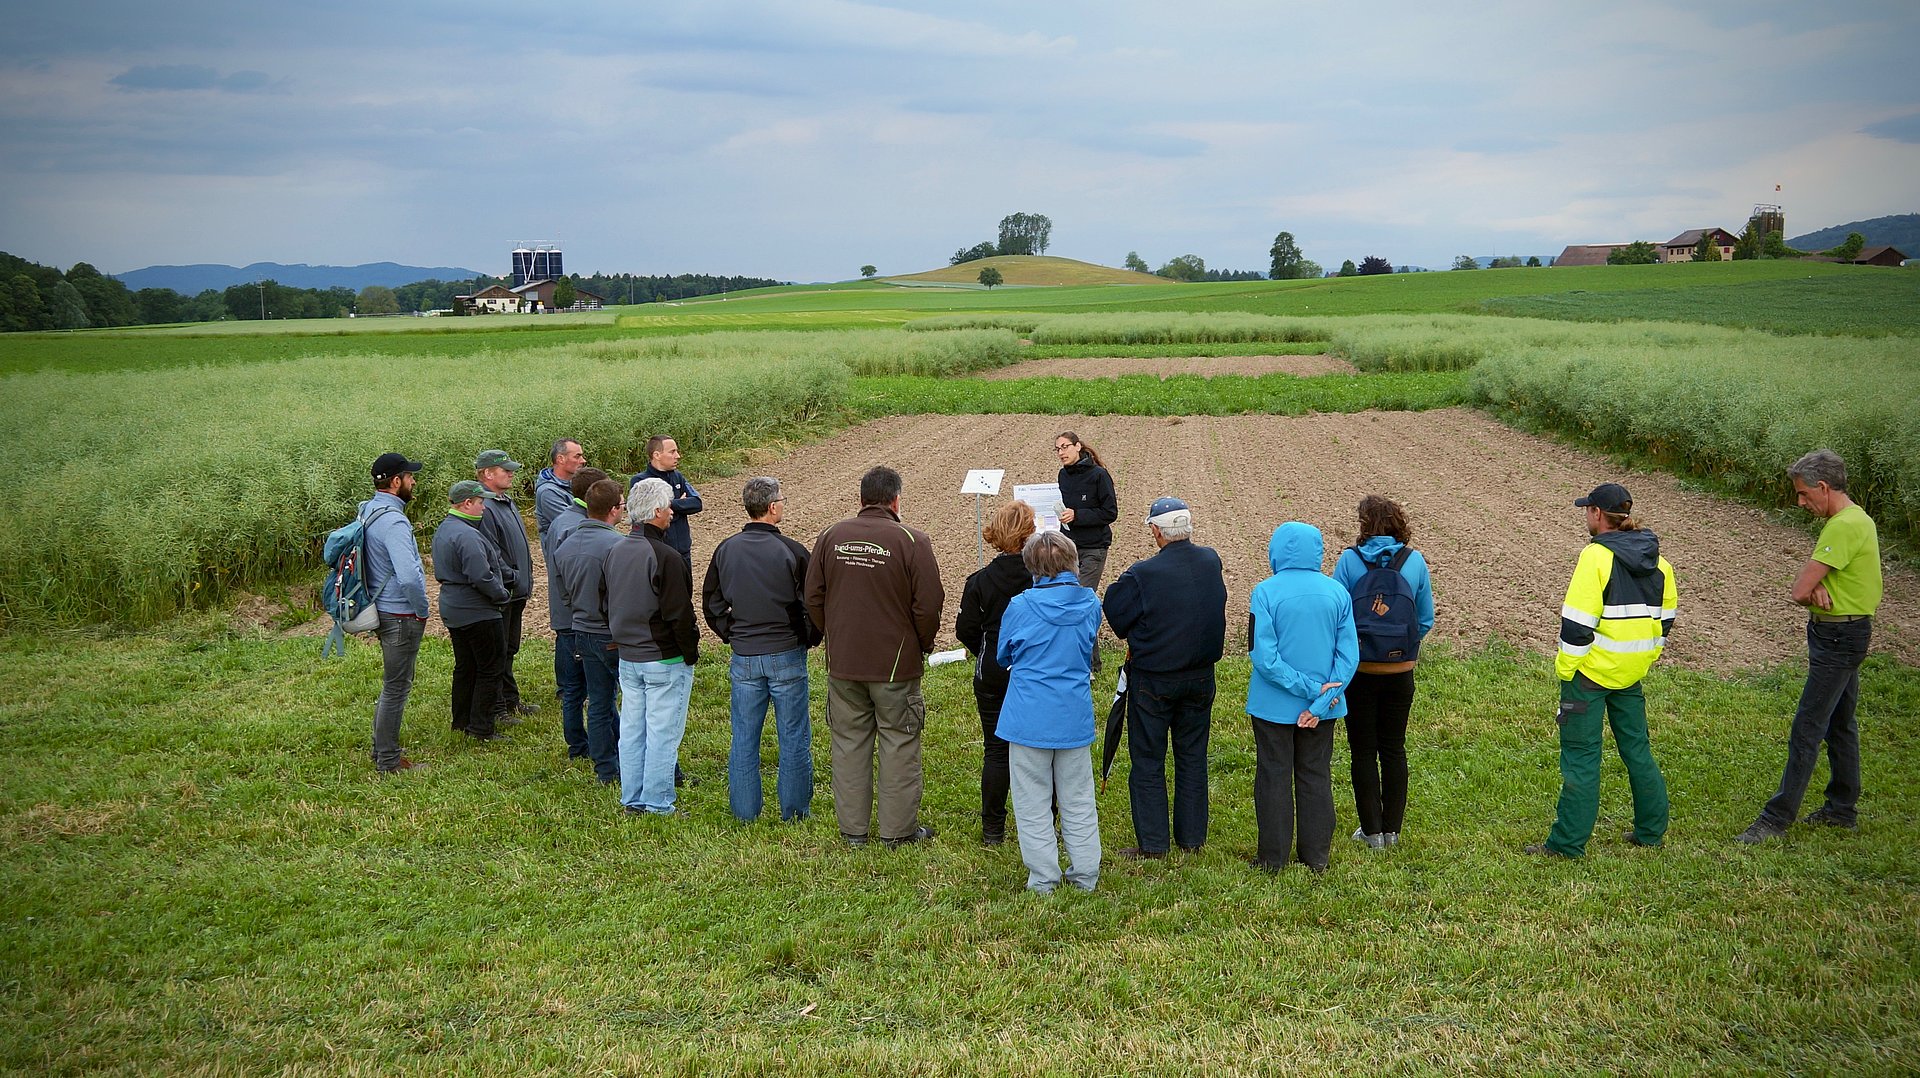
(1041, 779)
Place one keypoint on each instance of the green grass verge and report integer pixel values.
(203, 876)
(1143, 394)
(1186, 348)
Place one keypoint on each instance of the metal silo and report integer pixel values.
(522, 266)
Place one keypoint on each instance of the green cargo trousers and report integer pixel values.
(1581, 704)
(865, 716)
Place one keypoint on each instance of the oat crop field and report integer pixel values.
(204, 876)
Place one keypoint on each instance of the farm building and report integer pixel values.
(494, 299)
(1587, 254)
(541, 293)
(1680, 248)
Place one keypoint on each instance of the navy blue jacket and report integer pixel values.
(686, 502)
(1171, 609)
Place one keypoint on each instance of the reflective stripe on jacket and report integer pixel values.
(1618, 611)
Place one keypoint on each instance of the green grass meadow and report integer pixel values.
(205, 877)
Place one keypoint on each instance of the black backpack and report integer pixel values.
(1383, 612)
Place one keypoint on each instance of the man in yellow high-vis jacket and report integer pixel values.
(1616, 618)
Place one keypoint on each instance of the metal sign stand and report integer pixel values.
(981, 482)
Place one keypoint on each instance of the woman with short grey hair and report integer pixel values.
(1046, 644)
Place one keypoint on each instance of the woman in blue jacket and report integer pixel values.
(1304, 651)
(1046, 644)
(1381, 696)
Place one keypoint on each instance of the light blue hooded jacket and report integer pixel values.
(1302, 633)
(1046, 644)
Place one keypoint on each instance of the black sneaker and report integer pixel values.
(1760, 831)
(1823, 817)
(922, 833)
(1541, 849)
(1627, 837)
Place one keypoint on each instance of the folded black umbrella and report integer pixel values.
(1116, 727)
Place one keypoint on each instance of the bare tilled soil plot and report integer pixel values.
(1167, 367)
(1492, 508)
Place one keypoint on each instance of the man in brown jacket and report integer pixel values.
(874, 588)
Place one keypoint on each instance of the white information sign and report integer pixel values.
(1046, 501)
(983, 481)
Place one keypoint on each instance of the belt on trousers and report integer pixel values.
(1818, 616)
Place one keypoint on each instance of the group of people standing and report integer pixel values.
(1322, 648)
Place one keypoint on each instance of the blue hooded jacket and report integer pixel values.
(1379, 550)
(1302, 635)
(1046, 644)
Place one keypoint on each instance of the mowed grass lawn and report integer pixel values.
(204, 876)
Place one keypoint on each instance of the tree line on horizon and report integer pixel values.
(36, 297)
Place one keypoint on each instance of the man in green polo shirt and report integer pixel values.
(1840, 587)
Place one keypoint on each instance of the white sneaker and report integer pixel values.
(1374, 842)
(1392, 837)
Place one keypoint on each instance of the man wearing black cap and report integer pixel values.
(399, 586)
(501, 522)
(1616, 619)
(1171, 610)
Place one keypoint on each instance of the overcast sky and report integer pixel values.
(799, 139)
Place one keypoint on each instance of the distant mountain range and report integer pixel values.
(192, 280)
(1901, 230)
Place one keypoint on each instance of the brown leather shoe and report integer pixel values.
(404, 765)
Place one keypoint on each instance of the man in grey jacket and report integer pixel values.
(399, 583)
(501, 522)
(581, 572)
(475, 583)
(753, 602)
(650, 613)
(569, 674)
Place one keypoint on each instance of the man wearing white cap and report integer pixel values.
(1171, 610)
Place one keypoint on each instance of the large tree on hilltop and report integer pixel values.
(1288, 263)
(1373, 265)
(1024, 234)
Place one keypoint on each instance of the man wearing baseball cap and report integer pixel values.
(1616, 619)
(1171, 610)
(399, 586)
(475, 582)
(500, 521)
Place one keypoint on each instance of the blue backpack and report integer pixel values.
(345, 594)
(1383, 612)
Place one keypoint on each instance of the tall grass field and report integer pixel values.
(227, 476)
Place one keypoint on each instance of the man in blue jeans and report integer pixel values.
(581, 574)
(1171, 609)
(753, 601)
(1840, 587)
(650, 610)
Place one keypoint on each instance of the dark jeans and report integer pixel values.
(995, 775)
(570, 678)
(512, 616)
(399, 648)
(1377, 710)
(479, 655)
(1835, 650)
(1293, 792)
(1162, 706)
(601, 667)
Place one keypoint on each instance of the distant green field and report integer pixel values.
(1859, 301)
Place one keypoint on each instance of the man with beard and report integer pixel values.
(399, 583)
